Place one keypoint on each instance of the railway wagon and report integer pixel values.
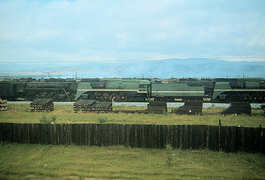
(239, 90)
(133, 90)
(177, 92)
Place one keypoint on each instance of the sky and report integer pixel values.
(133, 30)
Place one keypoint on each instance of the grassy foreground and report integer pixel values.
(65, 114)
(20, 161)
(26, 161)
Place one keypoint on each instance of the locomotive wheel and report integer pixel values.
(255, 98)
(123, 97)
(263, 98)
(114, 97)
(105, 97)
(245, 98)
(97, 96)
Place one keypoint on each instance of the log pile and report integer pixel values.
(3, 105)
(41, 105)
(158, 107)
(190, 107)
(92, 106)
(238, 108)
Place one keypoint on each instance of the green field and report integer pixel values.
(25, 161)
(20, 161)
(65, 114)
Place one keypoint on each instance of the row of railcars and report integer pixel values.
(136, 89)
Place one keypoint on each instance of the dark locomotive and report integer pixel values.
(223, 90)
(30, 89)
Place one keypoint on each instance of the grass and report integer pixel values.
(20, 161)
(65, 114)
(27, 161)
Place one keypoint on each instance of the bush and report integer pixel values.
(45, 120)
(102, 120)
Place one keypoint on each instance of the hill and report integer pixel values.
(160, 68)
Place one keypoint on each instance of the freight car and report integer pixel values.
(30, 89)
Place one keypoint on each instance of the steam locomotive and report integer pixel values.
(221, 90)
(30, 89)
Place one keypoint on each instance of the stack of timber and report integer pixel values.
(83, 105)
(190, 107)
(92, 106)
(41, 105)
(238, 108)
(157, 107)
(3, 105)
(101, 107)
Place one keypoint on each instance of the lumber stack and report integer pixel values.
(92, 106)
(238, 108)
(41, 105)
(190, 107)
(3, 105)
(158, 107)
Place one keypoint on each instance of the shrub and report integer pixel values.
(102, 120)
(45, 120)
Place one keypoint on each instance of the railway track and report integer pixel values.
(143, 104)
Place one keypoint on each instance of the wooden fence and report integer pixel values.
(216, 138)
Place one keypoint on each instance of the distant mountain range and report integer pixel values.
(178, 68)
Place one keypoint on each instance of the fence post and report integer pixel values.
(260, 151)
(219, 138)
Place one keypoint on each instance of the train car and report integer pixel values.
(239, 90)
(134, 90)
(177, 91)
(7, 90)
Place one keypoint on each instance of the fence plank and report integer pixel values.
(229, 139)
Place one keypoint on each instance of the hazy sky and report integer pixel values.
(107, 30)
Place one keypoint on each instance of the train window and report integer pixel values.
(142, 86)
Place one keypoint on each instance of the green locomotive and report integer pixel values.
(134, 90)
(137, 90)
(221, 90)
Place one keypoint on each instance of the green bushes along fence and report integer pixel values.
(216, 138)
